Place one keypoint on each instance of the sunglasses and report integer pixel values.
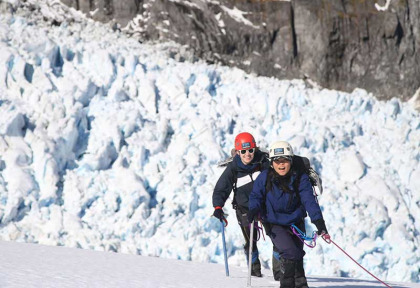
(288, 158)
(249, 150)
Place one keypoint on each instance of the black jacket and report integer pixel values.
(243, 176)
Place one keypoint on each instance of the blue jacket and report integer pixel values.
(278, 208)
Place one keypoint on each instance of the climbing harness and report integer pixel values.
(303, 237)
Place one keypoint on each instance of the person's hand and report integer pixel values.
(320, 225)
(253, 215)
(326, 237)
(218, 213)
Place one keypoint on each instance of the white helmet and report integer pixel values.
(281, 149)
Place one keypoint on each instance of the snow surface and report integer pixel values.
(112, 145)
(238, 15)
(29, 265)
(384, 7)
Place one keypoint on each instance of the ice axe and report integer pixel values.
(224, 248)
(251, 241)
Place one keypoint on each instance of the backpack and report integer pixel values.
(302, 164)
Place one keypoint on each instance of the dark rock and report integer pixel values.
(339, 44)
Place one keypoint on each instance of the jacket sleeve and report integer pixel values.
(308, 199)
(223, 187)
(256, 197)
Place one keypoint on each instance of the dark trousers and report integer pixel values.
(288, 245)
(242, 217)
(291, 272)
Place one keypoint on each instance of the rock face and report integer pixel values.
(339, 44)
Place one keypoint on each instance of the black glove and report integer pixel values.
(320, 225)
(253, 215)
(218, 213)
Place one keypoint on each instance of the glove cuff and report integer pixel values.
(320, 225)
(217, 207)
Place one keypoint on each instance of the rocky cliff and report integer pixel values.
(372, 44)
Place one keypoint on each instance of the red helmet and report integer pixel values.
(244, 141)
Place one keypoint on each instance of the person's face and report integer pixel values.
(282, 166)
(246, 155)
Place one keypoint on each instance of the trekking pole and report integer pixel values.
(251, 240)
(224, 249)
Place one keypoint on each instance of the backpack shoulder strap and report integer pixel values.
(296, 184)
(235, 182)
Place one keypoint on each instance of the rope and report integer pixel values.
(327, 239)
(259, 230)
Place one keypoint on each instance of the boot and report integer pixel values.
(276, 265)
(256, 269)
(255, 264)
(287, 273)
(300, 278)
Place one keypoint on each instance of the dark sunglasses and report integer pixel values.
(288, 158)
(249, 150)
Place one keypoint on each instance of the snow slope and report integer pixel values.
(29, 265)
(112, 145)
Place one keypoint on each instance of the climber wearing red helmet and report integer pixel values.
(239, 176)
